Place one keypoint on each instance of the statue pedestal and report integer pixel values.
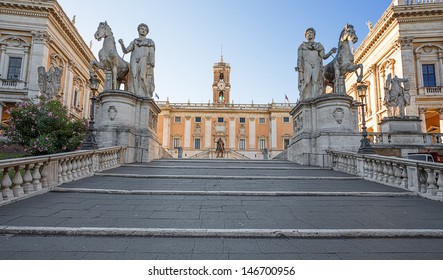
(401, 130)
(328, 122)
(125, 119)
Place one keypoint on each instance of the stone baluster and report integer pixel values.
(74, 169)
(404, 178)
(431, 182)
(64, 170)
(27, 179)
(397, 174)
(385, 172)
(422, 178)
(440, 184)
(391, 179)
(370, 169)
(36, 176)
(81, 162)
(45, 175)
(69, 170)
(6, 185)
(60, 172)
(17, 181)
(379, 171)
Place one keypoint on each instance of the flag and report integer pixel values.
(286, 97)
(156, 96)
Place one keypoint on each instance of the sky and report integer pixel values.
(259, 39)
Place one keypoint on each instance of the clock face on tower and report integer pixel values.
(221, 85)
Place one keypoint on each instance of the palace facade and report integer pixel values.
(249, 131)
(35, 34)
(407, 41)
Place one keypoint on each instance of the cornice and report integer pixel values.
(395, 15)
(52, 10)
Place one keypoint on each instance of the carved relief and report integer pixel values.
(112, 112)
(197, 130)
(153, 119)
(338, 115)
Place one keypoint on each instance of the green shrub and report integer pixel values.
(44, 127)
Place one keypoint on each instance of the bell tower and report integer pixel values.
(221, 87)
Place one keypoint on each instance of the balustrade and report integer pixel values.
(22, 177)
(424, 178)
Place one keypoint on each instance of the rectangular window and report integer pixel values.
(242, 120)
(286, 119)
(429, 75)
(197, 143)
(198, 119)
(220, 119)
(14, 68)
(262, 143)
(176, 142)
(261, 120)
(75, 99)
(177, 119)
(242, 144)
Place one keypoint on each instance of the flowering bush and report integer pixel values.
(44, 127)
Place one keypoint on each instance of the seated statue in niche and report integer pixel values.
(397, 97)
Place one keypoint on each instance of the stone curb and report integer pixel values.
(228, 233)
(226, 167)
(233, 193)
(139, 176)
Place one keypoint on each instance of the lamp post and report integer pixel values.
(90, 143)
(365, 144)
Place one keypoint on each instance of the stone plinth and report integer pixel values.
(328, 122)
(401, 130)
(125, 119)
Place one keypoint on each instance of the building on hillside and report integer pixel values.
(407, 41)
(35, 34)
(249, 131)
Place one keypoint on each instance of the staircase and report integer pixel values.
(222, 209)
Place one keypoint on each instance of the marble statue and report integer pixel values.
(49, 82)
(141, 74)
(397, 97)
(110, 60)
(310, 66)
(335, 71)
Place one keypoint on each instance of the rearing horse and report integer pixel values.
(109, 57)
(334, 72)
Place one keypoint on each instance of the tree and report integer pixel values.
(44, 127)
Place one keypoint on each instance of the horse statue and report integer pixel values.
(220, 149)
(334, 72)
(108, 56)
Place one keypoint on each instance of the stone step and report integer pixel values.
(227, 233)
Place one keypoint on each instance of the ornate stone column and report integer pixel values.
(440, 65)
(273, 133)
(252, 133)
(232, 132)
(441, 120)
(69, 84)
(39, 56)
(187, 142)
(208, 132)
(166, 131)
(407, 57)
(422, 112)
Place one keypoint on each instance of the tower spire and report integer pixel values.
(221, 53)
